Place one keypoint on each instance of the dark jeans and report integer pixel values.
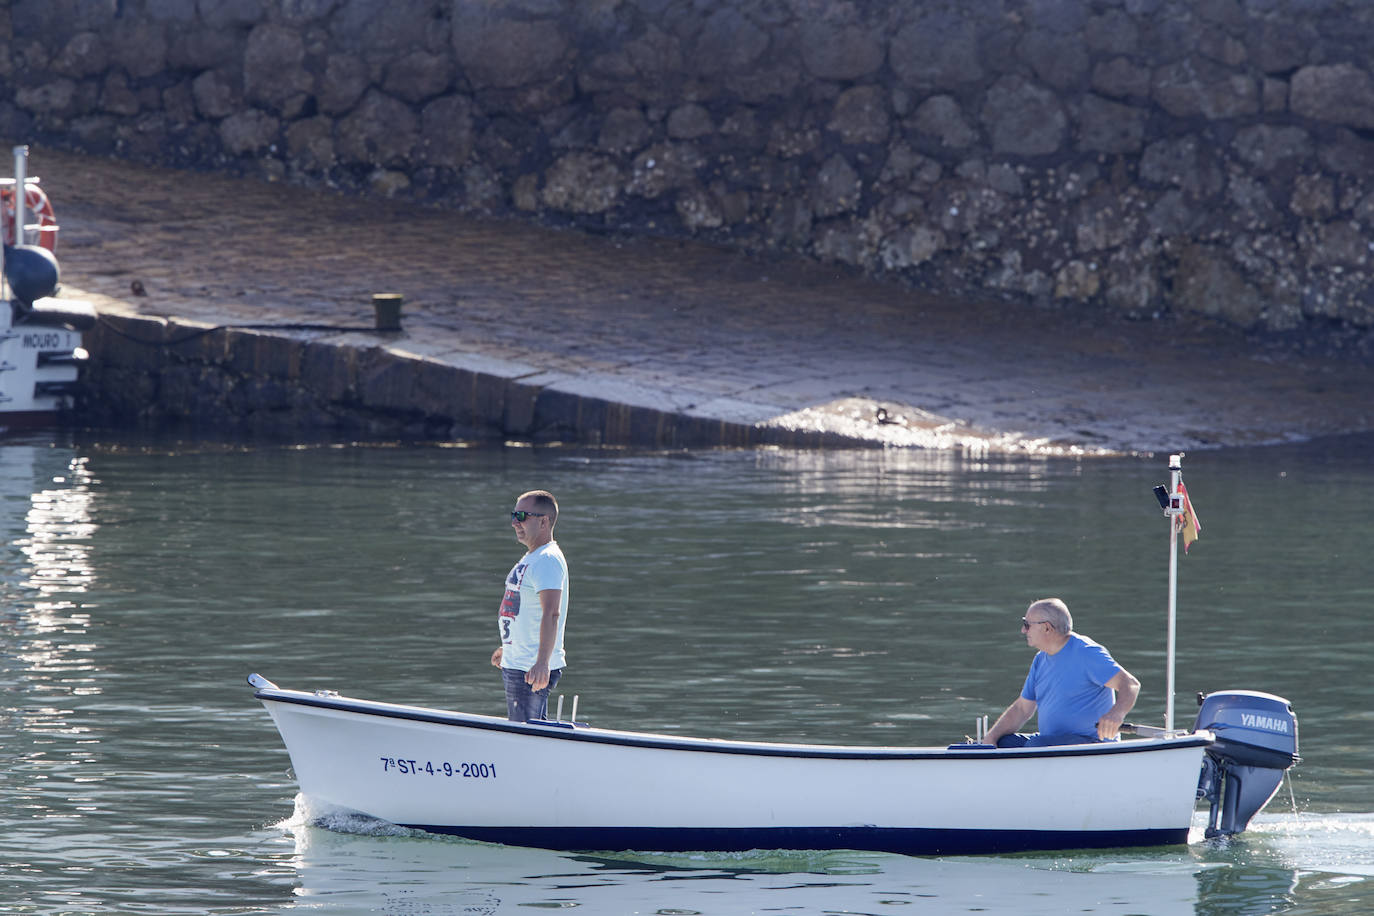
(522, 703)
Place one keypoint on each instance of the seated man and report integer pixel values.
(1078, 689)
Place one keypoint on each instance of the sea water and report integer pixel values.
(857, 597)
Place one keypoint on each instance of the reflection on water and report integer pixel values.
(357, 866)
(860, 598)
(348, 863)
(48, 655)
(47, 526)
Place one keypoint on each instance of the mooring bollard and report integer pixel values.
(387, 310)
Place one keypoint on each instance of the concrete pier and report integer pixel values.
(243, 305)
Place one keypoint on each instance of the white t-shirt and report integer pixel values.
(521, 613)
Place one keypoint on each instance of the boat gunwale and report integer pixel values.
(568, 732)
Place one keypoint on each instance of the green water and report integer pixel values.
(845, 597)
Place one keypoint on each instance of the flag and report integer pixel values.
(1187, 523)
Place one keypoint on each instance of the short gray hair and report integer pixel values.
(1056, 613)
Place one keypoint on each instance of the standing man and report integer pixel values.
(534, 610)
(1080, 692)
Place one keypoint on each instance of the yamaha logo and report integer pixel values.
(1268, 723)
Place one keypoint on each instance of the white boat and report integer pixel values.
(489, 779)
(40, 335)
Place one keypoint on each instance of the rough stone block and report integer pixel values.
(124, 341)
(195, 341)
(329, 370)
(263, 354)
(518, 415)
(386, 381)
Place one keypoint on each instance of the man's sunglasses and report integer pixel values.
(518, 516)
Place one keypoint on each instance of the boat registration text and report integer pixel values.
(408, 767)
(46, 340)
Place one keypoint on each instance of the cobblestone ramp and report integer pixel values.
(545, 334)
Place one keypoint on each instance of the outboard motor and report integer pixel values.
(1256, 743)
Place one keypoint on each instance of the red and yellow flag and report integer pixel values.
(1187, 523)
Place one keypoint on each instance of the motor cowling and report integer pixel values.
(1256, 743)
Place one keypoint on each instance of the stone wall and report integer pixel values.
(175, 375)
(1145, 157)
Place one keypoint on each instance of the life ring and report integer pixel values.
(38, 211)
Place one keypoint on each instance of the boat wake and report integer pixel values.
(1327, 843)
(311, 813)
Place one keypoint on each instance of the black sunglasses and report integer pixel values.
(519, 516)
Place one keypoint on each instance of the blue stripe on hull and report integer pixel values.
(908, 841)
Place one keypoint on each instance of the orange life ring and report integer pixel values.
(38, 211)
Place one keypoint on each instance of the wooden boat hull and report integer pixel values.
(581, 788)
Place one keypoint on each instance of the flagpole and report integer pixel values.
(1172, 511)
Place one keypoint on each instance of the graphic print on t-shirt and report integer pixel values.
(510, 601)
